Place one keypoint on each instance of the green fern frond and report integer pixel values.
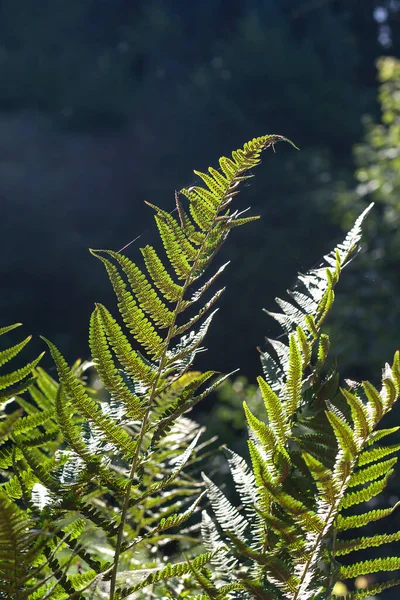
(80, 449)
(264, 432)
(381, 433)
(323, 349)
(375, 401)
(227, 515)
(363, 422)
(160, 276)
(8, 380)
(294, 377)
(372, 472)
(108, 372)
(40, 466)
(204, 582)
(21, 544)
(179, 464)
(145, 293)
(134, 317)
(26, 424)
(366, 493)
(322, 476)
(151, 576)
(133, 364)
(374, 565)
(311, 300)
(176, 520)
(277, 414)
(345, 436)
(168, 412)
(9, 353)
(343, 547)
(87, 406)
(356, 521)
(369, 456)
(6, 427)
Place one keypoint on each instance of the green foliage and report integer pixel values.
(96, 486)
(301, 480)
(377, 179)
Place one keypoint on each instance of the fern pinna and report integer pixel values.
(313, 457)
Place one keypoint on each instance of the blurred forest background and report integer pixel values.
(107, 103)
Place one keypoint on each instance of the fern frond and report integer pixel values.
(134, 317)
(133, 364)
(369, 456)
(21, 544)
(356, 521)
(294, 377)
(344, 434)
(9, 353)
(311, 300)
(264, 432)
(343, 547)
(228, 517)
(277, 415)
(222, 559)
(322, 476)
(6, 427)
(366, 567)
(107, 370)
(375, 401)
(372, 472)
(150, 576)
(145, 293)
(380, 433)
(363, 423)
(366, 493)
(8, 380)
(87, 406)
(160, 276)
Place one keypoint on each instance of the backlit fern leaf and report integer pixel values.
(311, 301)
(103, 360)
(357, 521)
(88, 407)
(371, 472)
(347, 546)
(21, 544)
(151, 576)
(18, 380)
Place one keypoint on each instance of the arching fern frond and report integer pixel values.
(152, 302)
(304, 314)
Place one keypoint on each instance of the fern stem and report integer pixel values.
(331, 579)
(334, 507)
(152, 396)
(320, 536)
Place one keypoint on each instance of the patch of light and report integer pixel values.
(384, 37)
(380, 14)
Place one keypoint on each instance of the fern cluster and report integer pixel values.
(97, 489)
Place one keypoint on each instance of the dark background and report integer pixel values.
(107, 103)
